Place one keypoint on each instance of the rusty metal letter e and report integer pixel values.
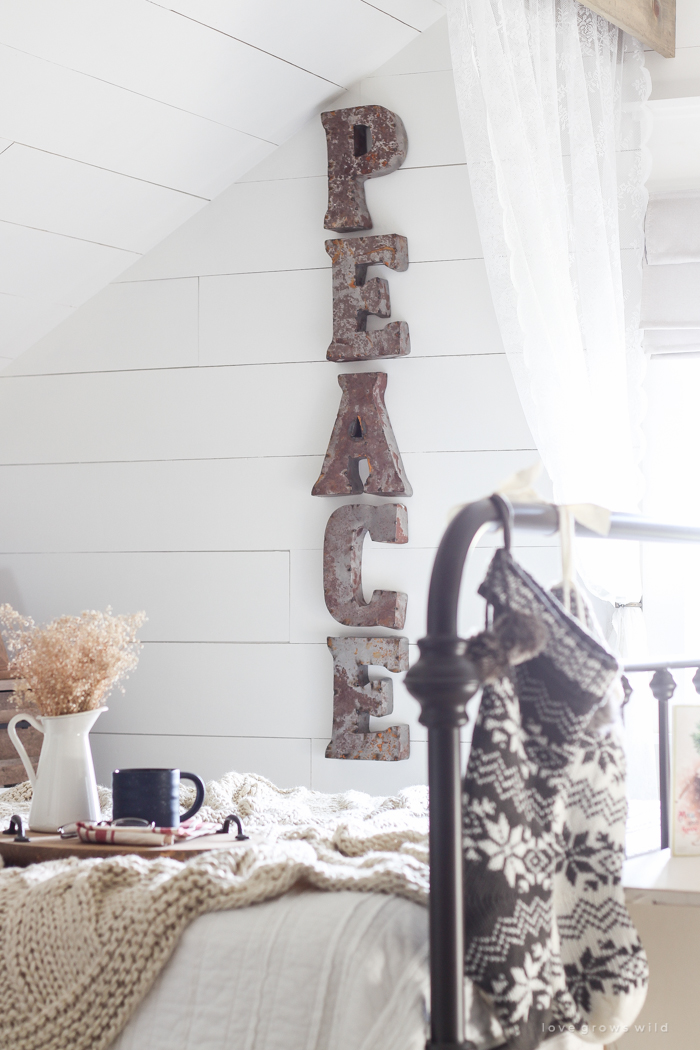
(355, 298)
(355, 698)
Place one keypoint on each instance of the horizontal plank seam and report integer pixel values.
(112, 171)
(396, 19)
(223, 736)
(248, 364)
(389, 548)
(246, 43)
(289, 269)
(224, 459)
(150, 98)
(70, 237)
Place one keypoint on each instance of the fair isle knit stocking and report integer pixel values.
(529, 733)
(511, 943)
(604, 962)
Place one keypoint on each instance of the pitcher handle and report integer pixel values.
(19, 746)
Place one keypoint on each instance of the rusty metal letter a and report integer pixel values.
(363, 142)
(354, 298)
(362, 431)
(342, 565)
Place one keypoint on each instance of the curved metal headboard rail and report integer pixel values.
(475, 518)
(443, 681)
(446, 580)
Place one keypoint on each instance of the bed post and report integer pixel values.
(443, 681)
(663, 686)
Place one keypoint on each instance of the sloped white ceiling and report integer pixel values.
(122, 118)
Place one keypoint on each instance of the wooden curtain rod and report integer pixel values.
(651, 21)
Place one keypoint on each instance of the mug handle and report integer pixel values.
(19, 746)
(199, 785)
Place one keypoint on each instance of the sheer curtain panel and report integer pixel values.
(551, 100)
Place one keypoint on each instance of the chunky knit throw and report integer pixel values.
(82, 941)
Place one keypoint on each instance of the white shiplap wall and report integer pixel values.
(123, 118)
(159, 449)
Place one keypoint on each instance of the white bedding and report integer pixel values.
(308, 971)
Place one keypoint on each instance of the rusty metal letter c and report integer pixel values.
(342, 565)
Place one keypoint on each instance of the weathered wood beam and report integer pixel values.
(651, 21)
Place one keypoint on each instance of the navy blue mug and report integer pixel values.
(152, 795)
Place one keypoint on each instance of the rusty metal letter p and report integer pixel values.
(363, 143)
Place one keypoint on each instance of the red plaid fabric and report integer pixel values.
(108, 834)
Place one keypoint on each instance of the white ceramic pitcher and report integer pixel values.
(64, 784)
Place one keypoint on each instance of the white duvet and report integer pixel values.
(308, 971)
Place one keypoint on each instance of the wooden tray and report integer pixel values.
(53, 847)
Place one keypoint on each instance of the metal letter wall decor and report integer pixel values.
(362, 431)
(342, 565)
(355, 698)
(363, 142)
(354, 298)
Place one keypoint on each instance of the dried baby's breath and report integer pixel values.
(72, 663)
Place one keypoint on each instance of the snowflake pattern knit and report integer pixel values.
(548, 937)
(597, 937)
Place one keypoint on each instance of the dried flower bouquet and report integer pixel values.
(72, 663)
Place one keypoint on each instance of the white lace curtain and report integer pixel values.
(551, 103)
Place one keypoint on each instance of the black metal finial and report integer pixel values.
(663, 684)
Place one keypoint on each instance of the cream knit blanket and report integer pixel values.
(82, 941)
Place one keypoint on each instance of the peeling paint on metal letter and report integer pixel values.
(355, 298)
(363, 142)
(355, 698)
(362, 431)
(342, 565)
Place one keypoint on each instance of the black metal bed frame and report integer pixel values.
(443, 681)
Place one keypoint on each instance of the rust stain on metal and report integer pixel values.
(363, 143)
(355, 698)
(342, 565)
(362, 431)
(355, 298)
